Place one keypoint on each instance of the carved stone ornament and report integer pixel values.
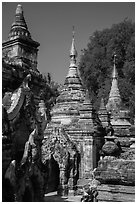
(60, 146)
(14, 101)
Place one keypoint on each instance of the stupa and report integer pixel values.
(116, 167)
(72, 95)
(118, 114)
(75, 113)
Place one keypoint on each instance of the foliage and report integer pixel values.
(49, 93)
(96, 63)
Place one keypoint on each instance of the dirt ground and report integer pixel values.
(53, 197)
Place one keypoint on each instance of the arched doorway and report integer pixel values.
(63, 158)
(53, 179)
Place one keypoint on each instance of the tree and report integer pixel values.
(96, 63)
(49, 93)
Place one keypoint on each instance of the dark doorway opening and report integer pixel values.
(53, 179)
(28, 194)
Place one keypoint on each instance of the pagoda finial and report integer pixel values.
(114, 100)
(19, 9)
(72, 78)
(114, 73)
(115, 58)
(73, 51)
(73, 31)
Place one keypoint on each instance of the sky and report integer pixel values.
(50, 24)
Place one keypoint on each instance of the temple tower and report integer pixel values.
(20, 47)
(114, 101)
(72, 95)
(116, 166)
(74, 112)
(118, 113)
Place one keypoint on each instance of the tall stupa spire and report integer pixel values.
(73, 51)
(114, 93)
(72, 78)
(114, 100)
(114, 73)
(72, 95)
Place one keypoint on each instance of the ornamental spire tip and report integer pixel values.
(73, 31)
(73, 51)
(19, 9)
(114, 73)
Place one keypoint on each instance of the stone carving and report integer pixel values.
(64, 151)
(90, 194)
(28, 173)
(5, 123)
(90, 191)
(14, 101)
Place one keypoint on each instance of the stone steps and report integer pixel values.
(116, 193)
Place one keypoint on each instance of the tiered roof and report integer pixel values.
(19, 27)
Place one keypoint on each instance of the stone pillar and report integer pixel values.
(82, 165)
(70, 184)
(63, 188)
(74, 175)
(88, 156)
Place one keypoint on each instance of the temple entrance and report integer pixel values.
(63, 165)
(28, 195)
(53, 180)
